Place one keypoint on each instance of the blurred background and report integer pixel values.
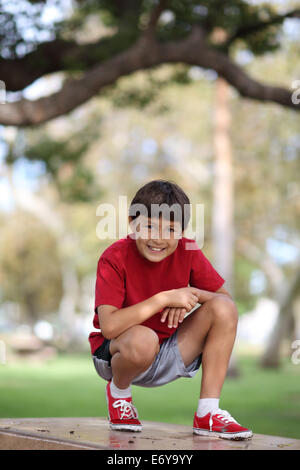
(86, 117)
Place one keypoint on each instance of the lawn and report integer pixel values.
(267, 401)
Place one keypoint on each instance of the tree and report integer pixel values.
(28, 275)
(133, 35)
(267, 203)
(265, 147)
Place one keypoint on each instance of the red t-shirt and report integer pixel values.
(125, 277)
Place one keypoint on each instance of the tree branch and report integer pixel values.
(154, 17)
(61, 55)
(193, 50)
(244, 31)
(56, 56)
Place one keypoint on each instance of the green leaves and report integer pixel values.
(64, 160)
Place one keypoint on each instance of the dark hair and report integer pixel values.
(162, 192)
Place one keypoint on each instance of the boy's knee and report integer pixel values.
(141, 345)
(224, 310)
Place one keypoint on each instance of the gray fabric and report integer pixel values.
(167, 366)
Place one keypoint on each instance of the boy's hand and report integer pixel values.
(179, 302)
(175, 315)
(184, 297)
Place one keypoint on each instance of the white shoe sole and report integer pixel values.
(238, 436)
(123, 427)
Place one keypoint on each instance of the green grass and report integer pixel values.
(267, 401)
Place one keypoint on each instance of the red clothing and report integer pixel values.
(125, 277)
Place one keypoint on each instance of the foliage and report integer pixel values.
(64, 159)
(29, 266)
(126, 19)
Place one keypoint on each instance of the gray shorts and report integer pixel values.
(167, 366)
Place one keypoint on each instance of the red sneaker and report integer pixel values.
(123, 415)
(220, 423)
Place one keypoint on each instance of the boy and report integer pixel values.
(141, 298)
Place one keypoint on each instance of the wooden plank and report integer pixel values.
(94, 433)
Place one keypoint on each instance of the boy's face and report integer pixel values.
(157, 233)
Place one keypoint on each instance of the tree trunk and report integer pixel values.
(222, 211)
(271, 356)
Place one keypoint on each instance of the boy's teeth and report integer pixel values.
(155, 249)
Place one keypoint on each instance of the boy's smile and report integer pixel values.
(155, 241)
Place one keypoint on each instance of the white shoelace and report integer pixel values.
(127, 409)
(223, 415)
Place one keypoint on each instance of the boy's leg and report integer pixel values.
(132, 352)
(210, 330)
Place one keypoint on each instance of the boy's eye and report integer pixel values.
(149, 226)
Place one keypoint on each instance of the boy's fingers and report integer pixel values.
(170, 317)
(182, 314)
(176, 317)
(164, 314)
(196, 292)
(193, 302)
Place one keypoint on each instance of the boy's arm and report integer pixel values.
(114, 321)
(205, 295)
(222, 290)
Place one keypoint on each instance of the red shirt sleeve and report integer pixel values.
(110, 285)
(203, 275)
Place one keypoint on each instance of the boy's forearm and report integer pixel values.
(205, 295)
(126, 317)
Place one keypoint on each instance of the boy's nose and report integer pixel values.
(158, 239)
(159, 235)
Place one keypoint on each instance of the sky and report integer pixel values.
(26, 174)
